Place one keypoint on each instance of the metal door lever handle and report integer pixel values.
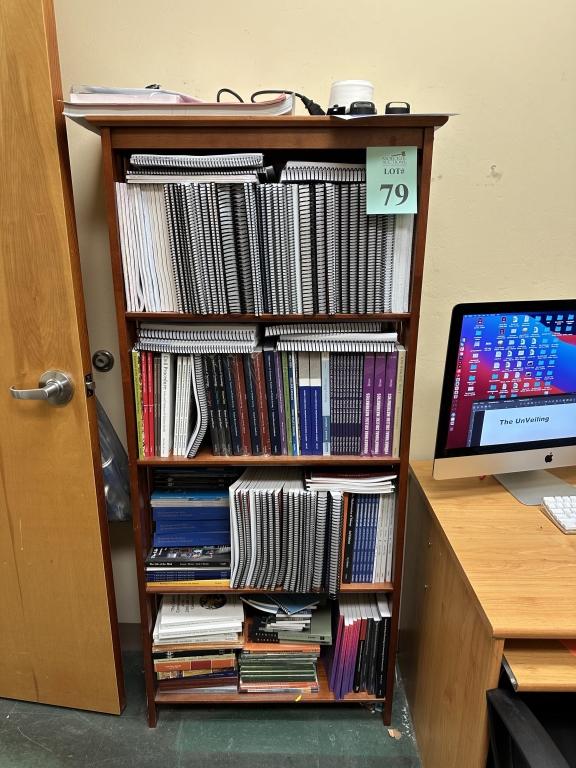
(55, 387)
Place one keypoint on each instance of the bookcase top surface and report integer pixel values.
(285, 121)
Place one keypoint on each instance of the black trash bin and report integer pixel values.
(531, 731)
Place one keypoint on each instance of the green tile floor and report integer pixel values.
(340, 736)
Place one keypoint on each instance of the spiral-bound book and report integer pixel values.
(296, 297)
(157, 176)
(245, 161)
(361, 284)
(331, 249)
(319, 192)
(197, 289)
(198, 332)
(241, 232)
(255, 245)
(336, 517)
(344, 239)
(310, 171)
(305, 234)
(319, 344)
(353, 238)
(387, 254)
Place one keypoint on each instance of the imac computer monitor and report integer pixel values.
(509, 395)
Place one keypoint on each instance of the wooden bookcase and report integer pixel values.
(281, 139)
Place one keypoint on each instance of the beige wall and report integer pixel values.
(503, 201)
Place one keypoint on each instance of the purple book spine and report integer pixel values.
(389, 400)
(377, 444)
(367, 397)
(281, 409)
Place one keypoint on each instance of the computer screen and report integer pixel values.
(509, 391)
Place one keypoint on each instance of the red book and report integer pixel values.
(262, 403)
(177, 665)
(237, 369)
(185, 683)
(145, 401)
(351, 667)
(345, 650)
(336, 653)
(150, 370)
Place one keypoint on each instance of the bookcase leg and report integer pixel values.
(387, 711)
(152, 713)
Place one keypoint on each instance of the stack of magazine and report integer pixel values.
(201, 234)
(289, 618)
(187, 626)
(86, 101)
(198, 619)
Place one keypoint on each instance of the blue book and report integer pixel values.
(305, 411)
(176, 574)
(184, 513)
(325, 370)
(195, 498)
(233, 421)
(192, 525)
(316, 437)
(371, 537)
(368, 506)
(252, 400)
(281, 403)
(358, 538)
(272, 397)
(191, 539)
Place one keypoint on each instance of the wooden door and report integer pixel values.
(58, 628)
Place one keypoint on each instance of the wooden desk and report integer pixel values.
(480, 569)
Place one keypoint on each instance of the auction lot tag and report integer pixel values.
(391, 180)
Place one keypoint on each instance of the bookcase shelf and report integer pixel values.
(324, 696)
(279, 138)
(272, 319)
(204, 458)
(152, 589)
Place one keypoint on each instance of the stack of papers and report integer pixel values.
(294, 618)
(357, 483)
(198, 619)
(90, 100)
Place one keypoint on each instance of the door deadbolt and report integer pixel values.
(103, 360)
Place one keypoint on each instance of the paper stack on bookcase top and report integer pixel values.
(85, 101)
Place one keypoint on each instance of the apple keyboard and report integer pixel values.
(562, 511)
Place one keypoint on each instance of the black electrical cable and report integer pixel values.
(311, 106)
(229, 90)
